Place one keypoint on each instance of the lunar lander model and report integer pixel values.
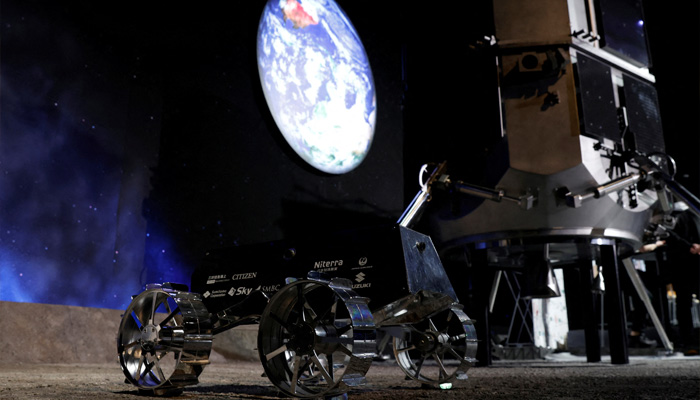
(586, 173)
(581, 170)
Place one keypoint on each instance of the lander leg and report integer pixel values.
(641, 291)
(617, 331)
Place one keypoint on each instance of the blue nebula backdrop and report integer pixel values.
(135, 136)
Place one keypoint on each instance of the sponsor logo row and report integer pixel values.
(211, 279)
(244, 291)
(240, 291)
(322, 266)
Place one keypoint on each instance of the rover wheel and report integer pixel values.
(438, 349)
(316, 338)
(164, 340)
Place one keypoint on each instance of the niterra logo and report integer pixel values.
(327, 264)
(360, 277)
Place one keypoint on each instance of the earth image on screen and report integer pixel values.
(317, 82)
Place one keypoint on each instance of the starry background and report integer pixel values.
(134, 137)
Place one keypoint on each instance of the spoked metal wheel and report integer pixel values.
(316, 338)
(164, 340)
(438, 349)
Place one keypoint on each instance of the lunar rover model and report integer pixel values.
(326, 307)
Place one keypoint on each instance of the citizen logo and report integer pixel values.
(247, 275)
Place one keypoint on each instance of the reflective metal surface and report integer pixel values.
(164, 340)
(317, 336)
(316, 339)
(605, 217)
(438, 349)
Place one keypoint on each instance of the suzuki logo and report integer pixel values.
(360, 277)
